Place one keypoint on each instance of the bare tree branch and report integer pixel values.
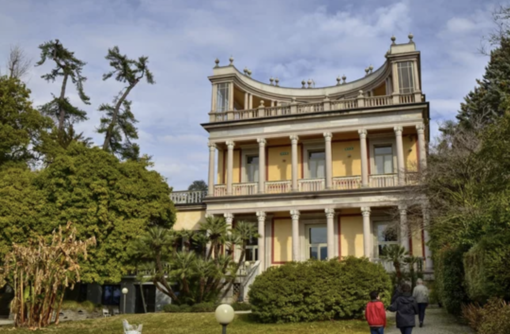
(18, 63)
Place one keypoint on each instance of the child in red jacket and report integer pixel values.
(375, 314)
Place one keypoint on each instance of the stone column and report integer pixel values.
(262, 165)
(246, 102)
(367, 232)
(230, 166)
(330, 215)
(212, 152)
(400, 155)
(422, 146)
(250, 104)
(229, 218)
(214, 97)
(329, 162)
(364, 157)
(294, 140)
(295, 235)
(404, 228)
(429, 265)
(230, 96)
(261, 217)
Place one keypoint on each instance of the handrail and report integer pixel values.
(314, 107)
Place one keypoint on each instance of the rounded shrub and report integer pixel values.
(317, 290)
(203, 307)
(241, 306)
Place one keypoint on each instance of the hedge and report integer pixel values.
(317, 290)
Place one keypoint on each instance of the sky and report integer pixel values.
(289, 39)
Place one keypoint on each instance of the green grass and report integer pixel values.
(200, 323)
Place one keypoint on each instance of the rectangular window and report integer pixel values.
(252, 168)
(317, 238)
(406, 77)
(222, 97)
(316, 164)
(385, 235)
(252, 249)
(383, 156)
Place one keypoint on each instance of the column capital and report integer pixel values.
(261, 215)
(261, 141)
(365, 211)
(294, 139)
(328, 135)
(398, 130)
(294, 214)
(420, 128)
(230, 144)
(402, 209)
(228, 215)
(330, 213)
(212, 146)
(362, 133)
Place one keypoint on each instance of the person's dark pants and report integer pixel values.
(421, 311)
(406, 330)
(376, 330)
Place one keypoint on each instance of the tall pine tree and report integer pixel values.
(491, 97)
(67, 67)
(118, 125)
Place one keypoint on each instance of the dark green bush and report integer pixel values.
(449, 279)
(241, 306)
(317, 290)
(203, 307)
(172, 308)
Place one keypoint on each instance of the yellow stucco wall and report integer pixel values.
(410, 152)
(219, 179)
(417, 243)
(351, 236)
(282, 240)
(189, 220)
(381, 90)
(236, 170)
(279, 163)
(342, 164)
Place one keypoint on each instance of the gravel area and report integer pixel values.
(437, 321)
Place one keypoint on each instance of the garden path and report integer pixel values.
(437, 321)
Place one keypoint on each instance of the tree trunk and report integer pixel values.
(143, 299)
(109, 132)
(61, 111)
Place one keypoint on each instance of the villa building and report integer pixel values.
(316, 168)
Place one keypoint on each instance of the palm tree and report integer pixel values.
(243, 232)
(395, 254)
(216, 229)
(183, 265)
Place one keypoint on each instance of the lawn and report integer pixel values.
(199, 323)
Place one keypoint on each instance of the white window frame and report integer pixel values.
(307, 237)
(406, 71)
(247, 151)
(312, 147)
(377, 142)
(375, 236)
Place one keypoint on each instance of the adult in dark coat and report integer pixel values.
(406, 308)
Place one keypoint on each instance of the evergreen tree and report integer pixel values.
(22, 128)
(198, 185)
(118, 125)
(68, 67)
(491, 98)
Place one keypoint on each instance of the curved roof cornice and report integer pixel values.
(248, 83)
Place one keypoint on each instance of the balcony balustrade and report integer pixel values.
(346, 182)
(188, 197)
(304, 185)
(383, 180)
(304, 108)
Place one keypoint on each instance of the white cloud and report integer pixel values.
(292, 40)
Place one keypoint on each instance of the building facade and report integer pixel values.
(317, 169)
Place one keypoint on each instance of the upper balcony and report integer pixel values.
(237, 96)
